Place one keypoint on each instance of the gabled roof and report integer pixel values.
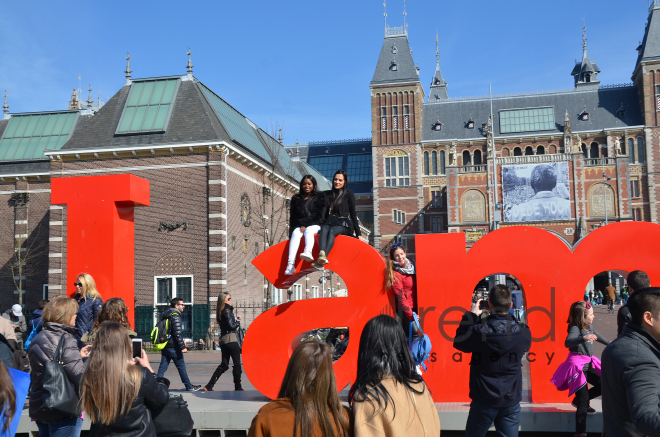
(405, 71)
(649, 50)
(602, 105)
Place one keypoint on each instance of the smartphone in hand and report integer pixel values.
(137, 347)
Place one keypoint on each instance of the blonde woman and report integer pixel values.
(122, 411)
(90, 303)
(59, 319)
(228, 342)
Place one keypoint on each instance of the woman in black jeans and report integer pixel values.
(228, 342)
(341, 220)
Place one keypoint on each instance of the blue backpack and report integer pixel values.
(420, 348)
(33, 333)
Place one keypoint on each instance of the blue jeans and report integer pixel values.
(481, 418)
(172, 354)
(64, 427)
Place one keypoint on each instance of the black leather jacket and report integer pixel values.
(228, 322)
(176, 341)
(152, 396)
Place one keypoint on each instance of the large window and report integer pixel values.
(442, 162)
(327, 165)
(398, 217)
(148, 106)
(426, 163)
(397, 171)
(278, 296)
(527, 120)
(169, 287)
(297, 292)
(434, 163)
(436, 225)
(637, 214)
(315, 291)
(634, 188)
(358, 168)
(640, 150)
(436, 198)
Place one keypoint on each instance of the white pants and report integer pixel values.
(294, 242)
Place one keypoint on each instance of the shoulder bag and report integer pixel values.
(420, 348)
(175, 419)
(58, 393)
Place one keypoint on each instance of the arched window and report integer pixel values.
(434, 163)
(397, 168)
(505, 151)
(640, 150)
(477, 157)
(540, 150)
(585, 150)
(593, 150)
(517, 151)
(426, 163)
(442, 162)
(529, 150)
(467, 158)
(623, 146)
(631, 150)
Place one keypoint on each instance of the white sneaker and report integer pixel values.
(307, 256)
(290, 269)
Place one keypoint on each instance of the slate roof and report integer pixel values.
(601, 104)
(438, 86)
(25, 167)
(405, 72)
(649, 50)
(304, 168)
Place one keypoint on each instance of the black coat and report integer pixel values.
(495, 365)
(346, 209)
(228, 322)
(137, 422)
(176, 326)
(307, 212)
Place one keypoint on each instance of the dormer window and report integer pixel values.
(393, 66)
(437, 126)
(394, 50)
(621, 112)
(437, 81)
(587, 77)
(470, 124)
(584, 116)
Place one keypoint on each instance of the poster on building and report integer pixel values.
(536, 192)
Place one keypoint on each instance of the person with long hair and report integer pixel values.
(581, 367)
(307, 404)
(122, 410)
(228, 342)
(113, 310)
(341, 218)
(400, 278)
(7, 399)
(306, 217)
(89, 302)
(389, 397)
(59, 321)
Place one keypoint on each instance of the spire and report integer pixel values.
(5, 107)
(190, 65)
(584, 41)
(649, 49)
(128, 68)
(89, 98)
(385, 13)
(405, 25)
(586, 71)
(438, 84)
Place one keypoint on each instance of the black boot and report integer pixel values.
(222, 368)
(237, 378)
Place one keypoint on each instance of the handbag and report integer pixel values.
(335, 220)
(240, 335)
(175, 419)
(58, 393)
(420, 348)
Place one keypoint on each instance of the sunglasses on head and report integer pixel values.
(588, 307)
(77, 284)
(394, 246)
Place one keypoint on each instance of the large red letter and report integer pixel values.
(100, 230)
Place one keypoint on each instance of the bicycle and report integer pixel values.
(610, 307)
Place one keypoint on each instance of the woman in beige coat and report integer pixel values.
(389, 397)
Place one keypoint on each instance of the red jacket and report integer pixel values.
(405, 291)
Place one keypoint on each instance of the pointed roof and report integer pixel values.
(649, 49)
(586, 66)
(438, 84)
(395, 63)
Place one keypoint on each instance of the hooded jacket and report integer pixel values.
(88, 311)
(34, 323)
(307, 212)
(176, 326)
(495, 366)
(42, 349)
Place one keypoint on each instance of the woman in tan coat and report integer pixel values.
(389, 397)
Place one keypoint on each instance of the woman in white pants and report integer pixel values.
(306, 217)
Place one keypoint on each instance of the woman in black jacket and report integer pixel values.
(341, 220)
(228, 342)
(122, 410)
(307, 214)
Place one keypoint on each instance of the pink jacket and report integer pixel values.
(569, 375)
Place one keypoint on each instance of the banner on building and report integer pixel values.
(536, 192)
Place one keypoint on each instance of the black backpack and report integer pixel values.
(20, 360)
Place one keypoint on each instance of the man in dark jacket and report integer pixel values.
(498, 344)
(175, 347)
(631, 371)
(35, 322)
(637, 280)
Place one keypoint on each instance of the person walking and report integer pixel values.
(175, 347)
(17, 320)
(305, 220)
(495, 384)
(581, 367)
(228, 342)
(401, 279)
(341, 218)
(137, 398)
(631, 371)
(307, 404)
(637, 280)
(59, 320)
(90, 303)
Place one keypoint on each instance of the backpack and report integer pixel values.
(33, 333)
(420, 348)
(161, 334)
(20, 360)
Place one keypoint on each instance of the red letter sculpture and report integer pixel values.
(100, 230)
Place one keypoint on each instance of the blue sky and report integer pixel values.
(306, 64)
